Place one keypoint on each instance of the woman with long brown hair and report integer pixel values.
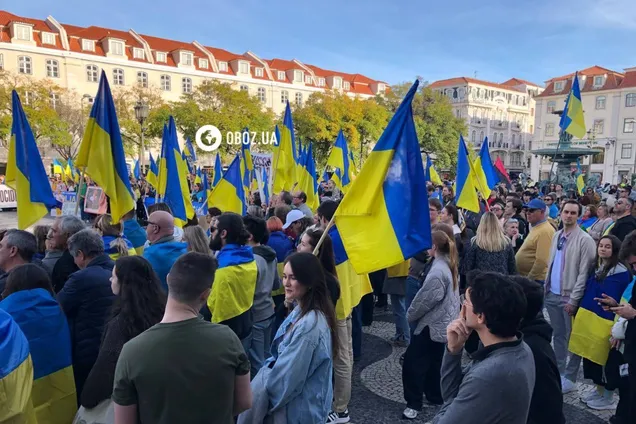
(435, 305)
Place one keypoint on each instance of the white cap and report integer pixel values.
(293, 216)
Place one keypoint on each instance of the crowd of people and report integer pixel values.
(241, 318)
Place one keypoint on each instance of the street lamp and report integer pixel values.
(141, 113)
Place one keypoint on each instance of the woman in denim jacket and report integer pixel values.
(295, 384)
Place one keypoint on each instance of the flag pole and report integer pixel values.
(77, 194)
(324, 234)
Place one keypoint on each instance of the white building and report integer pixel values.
(502, 112)
(609, 105)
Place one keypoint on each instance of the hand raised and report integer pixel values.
(457, 333)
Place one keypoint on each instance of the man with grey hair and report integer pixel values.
(17, 248)
(86, 299)
(63, 228)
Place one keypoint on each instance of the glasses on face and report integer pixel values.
(496, 209)
(549, 199)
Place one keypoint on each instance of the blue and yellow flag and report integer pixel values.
(205, 183)
(247, 165)
(153, 172)
(101, 154)
(572, 120)
(69, 171)
(57, 166)
(389, 196)
(25, 171)
(44, 325)
(229, 194)
(177, 194)
(308, 183)
(580, 183)
(265, 186)
(487, 177)
(218, 171)
(16, 374)
(431, 174)
(284, 156)
(197, 178)
(339, 160)
(187, 164)
(136, 170)
(234, 282)
(189, 151)
(465, 188)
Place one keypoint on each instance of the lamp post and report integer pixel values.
(141, 113)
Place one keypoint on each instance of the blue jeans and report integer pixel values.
(401, 324)
(412, 287)
(259, 347)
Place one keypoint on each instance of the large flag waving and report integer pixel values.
(572, 119)
(485, 171)
(308, 182)
(431, 174)
(101, 154)
(153, 172)
(229, 193)
(339, 159)
(284, 156)
(25, 171)
(218, 171)
(388, 196)
(465, 194)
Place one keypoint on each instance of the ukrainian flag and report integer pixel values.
(25, 171)
(16, 374)
(485, 171)
(153, 172)
(354, 168)
(136, 170)
(431, 173)
(465, 194)
(44, 325)
(187, 164)
(101, 154)
(189, 151)
(176, 194)
(284, 159)
(580, 183)
(339, 160)
(57, 165)
(247, 165)
(234, 283)
(352, 285)
(300, 163)
(592, 325)
(265, 186)
(388, 196)
(572, 119)
(229, 193)
(69, 171)
(197, 178)
(308, 181)
(218, 171)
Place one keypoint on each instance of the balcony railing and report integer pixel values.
(517, 146)
(478, 121)
(515, 126)
(498, 124)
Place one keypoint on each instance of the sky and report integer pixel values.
(393, 41)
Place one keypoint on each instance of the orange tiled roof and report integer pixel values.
(518, 81)
(614, 80)
(629, 80)
(466, 80)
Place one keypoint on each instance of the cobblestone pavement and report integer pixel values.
(377, 383)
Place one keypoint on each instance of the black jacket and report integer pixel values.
(62, 270)
(623, 226)
(546, 406)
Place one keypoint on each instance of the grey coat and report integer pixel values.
(436, 304)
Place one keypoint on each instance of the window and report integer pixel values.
(630, 100)
(531, 129)
(138, 53)
(347, 85)
(92, 73)
(259, 72)
(549, 130)
(24, 65)
(598, 81)
(514, 138)
(142, 79)
(599, 125)
(161, 57)
(52, 68)
(321, 82)
(558, 86)
(551, 106)
(531, 111)
(337, 83)
(244, 87)
(473, 137)
(118, 76)
(223, 66)
(626, 151)
(88, 45)
(23, 32)
(1, 62)
(48, 38)
(117, 48)
(600, 102)
(166, 83)
(308, 79)
(281, 75)
(186, 85)
(481, 136)
(54, 99)
(299, 99)
(244, 68)
(628, 125)
(261, 94)
(298, 76)
(28, 97)
(186, 58)
(501, 137)
(284, 96)
(203, 63)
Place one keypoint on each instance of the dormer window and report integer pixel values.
(558, 86)
(308, 79)
(203, 63)
(281, 75)
(244, 68)
(337, 83)
(259, 72)
(298, 76)
(382, 88)
(223, 66)
(88, 45)
(186, 58)
(48, 38)
(347, 85)
(598, 81)
(161, 57)
(23, 32)
(138, 53)
(117, 48)
(321, 82)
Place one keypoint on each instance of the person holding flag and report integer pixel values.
(284, 155)
(339, 160)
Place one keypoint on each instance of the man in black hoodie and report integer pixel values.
(625, 223)
(546, 406)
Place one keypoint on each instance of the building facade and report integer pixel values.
(609, 105)
(502, 112)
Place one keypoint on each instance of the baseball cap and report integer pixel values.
(292, 216)
(535, 204)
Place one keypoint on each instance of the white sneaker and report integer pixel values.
(567, 386)
(602, 403)
(593, 395)
(409, 414)
(338, 417)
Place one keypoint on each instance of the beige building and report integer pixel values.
(609, 105)
(502, 112)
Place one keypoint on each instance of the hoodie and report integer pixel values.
(266, 282)
(281, 244)
(546, 406)
(163, 255)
